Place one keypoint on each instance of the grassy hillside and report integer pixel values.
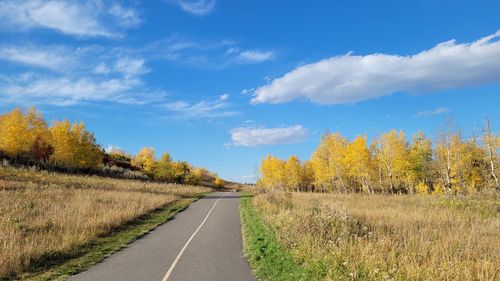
(46, 216)
(374, 237)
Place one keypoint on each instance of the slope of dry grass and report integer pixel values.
(377, 237)
(44, 215)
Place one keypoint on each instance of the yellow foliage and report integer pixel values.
(20, 131)
(145, 159)
(165, 168)
(219, 182)
(181, 170)
(195, 175)
(358, 163)
(422, 188)
(293, 171)
(393, 157)
(389, 164)
(74, 146)
(327, 161)
(438, 189)
(273, 173)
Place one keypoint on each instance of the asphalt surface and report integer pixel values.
(201, 243)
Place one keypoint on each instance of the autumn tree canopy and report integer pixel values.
(390, 163)
(26, 138)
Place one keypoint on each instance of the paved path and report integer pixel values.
(201, 243)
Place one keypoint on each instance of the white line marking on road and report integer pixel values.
(167, 275)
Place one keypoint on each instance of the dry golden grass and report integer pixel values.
(44, 214)
(377, 237)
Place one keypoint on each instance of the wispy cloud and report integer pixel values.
(200, 110)
(83, 74)
(130, 67)
(254, 56)
(77, 18)
(246, 136)
(126, 17)
(112, 148)
(64, 91)
(351, 78)
(206, 54)
(53, 58)
(196, 7)
(94, 73)
(224, 97)
(429, 113)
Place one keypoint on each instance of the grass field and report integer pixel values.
(372, 237)
(44, 216)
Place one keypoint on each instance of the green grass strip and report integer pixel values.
(268, 258)
(60, 266)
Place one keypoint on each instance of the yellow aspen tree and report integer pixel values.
(88, 153)
(327, 162)
(74, 146)
(40, 137)
(307, 176)
(472, 166)
(293, 173)
(279, 175)
(21, 134)
(219, 183)
(358, 163)
(145, 159)
(447, 157)
(266, 180)
(378, 168)
(181, 171)
(14, 139)
(165, 170)
(63, 143)
(195, 176)
(392, 154)
(420, 160)
(273, 173)
(491, 144)
(422, 188)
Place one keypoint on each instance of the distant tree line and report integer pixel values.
(391, 164)
(26, 139)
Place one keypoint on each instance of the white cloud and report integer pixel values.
(429, 113)
(197, 7)
(224, 97)
(64, 91)
(247, 91)
(84, 74)
(52, 58)
(102, 68)
(78, 18)
(255, 56)
(94, 73)
(350, 78)
(92, 58)
(200, 110)
(205, 54)
(126, 17)
(130, 67)
(268, 136)
(112, 148)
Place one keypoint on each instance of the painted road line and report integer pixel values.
(167, 275)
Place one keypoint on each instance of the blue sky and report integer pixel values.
(222, 83)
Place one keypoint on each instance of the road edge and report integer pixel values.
(267, 257)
